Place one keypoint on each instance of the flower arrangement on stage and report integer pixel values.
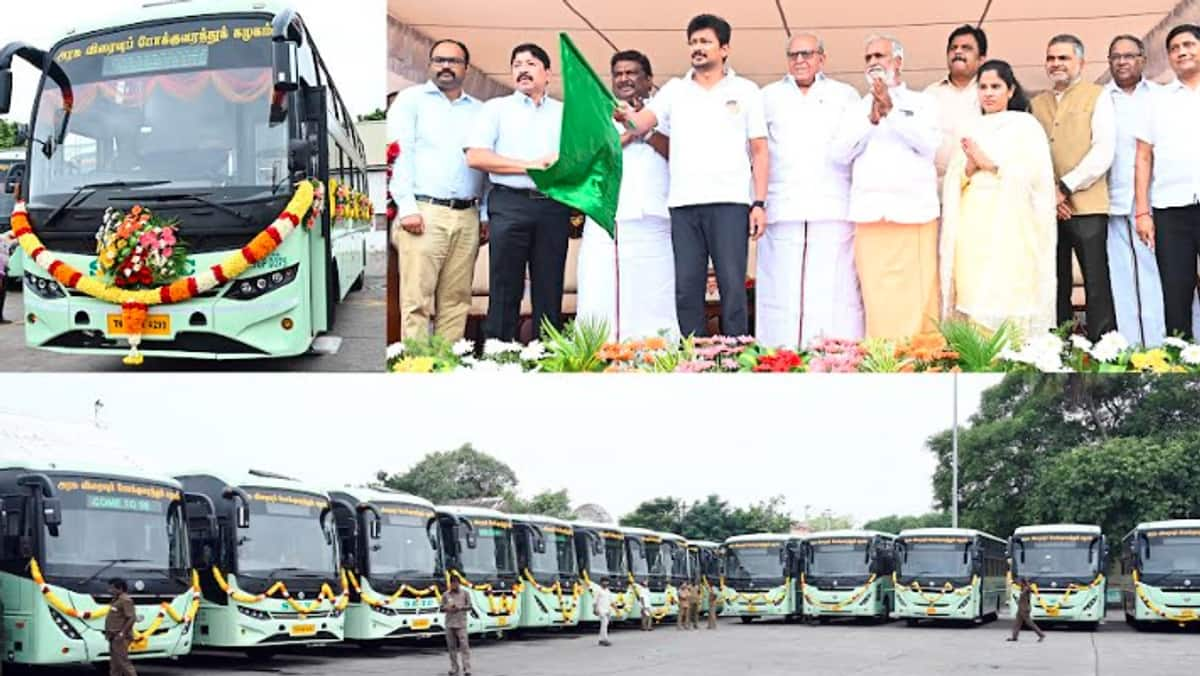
(958, 346)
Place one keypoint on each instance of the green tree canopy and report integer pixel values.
(711, 518)
(373, 116)
(896, 522)
(546, 503)
(463, 473)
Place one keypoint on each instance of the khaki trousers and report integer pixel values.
(898, 272)
(119, 663)
(436, 268)
(458, 644)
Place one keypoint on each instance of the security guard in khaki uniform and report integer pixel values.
(1024, 612)
(456, 604)
(712, 607)
(118, 629)
(694, 608)
(685, 597)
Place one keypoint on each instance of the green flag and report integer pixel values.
(587, 175)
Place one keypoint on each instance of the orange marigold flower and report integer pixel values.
(656, 343)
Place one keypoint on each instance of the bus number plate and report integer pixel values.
(139, 645)
(502, 621)
(931, 611)
(421, 623)
(304, 629)
(156, 325)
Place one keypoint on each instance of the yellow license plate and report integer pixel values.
(501, 621)
(421, 623)
(931, 611)
(138, 646)
(156, 325)
(1187, 614)
(1052, 612)
(303, 629)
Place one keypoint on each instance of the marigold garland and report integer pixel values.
(339, 602)
(400, 591)
(568, 612)
(165, 609)
(836, 606)
(1188, 615)
(499, 603)
(137, 301)
(946, 589)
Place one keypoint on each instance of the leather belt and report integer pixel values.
(524, 192)
(456, 204)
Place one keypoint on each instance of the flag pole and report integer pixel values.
(617, 276)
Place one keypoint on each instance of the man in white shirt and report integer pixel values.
(806, 282)
(438, 227)
(957, 94)
(891, 137)
(1167, 179)
(1078, 119)
(1133, 272)
(641, 238)
(717, 187)
(602, 601)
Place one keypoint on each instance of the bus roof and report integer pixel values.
(1056, 529)
(944, 532)
(671, 536)
(595, 525)
(181, 9)
(760, 537)
(706, 544)
(1172, 523)
(634, 530)
(539, 519)
(469, 511)
(248, 478)
(374, 495)
(848, 533)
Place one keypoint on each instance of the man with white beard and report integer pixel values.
(807, 285)
(891, 137)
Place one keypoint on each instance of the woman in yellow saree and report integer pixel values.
(999, 225)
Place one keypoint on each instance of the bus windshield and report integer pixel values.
(679, 559)
(637, 557)
(131, 526)
(183, 101)
(1171, 553)
(403, 549)
(754, 560)
(844, 557)
(289, 533)
(492, 554)
(611, 562)
(1072, 556)
(941, 559)
(559, 557)
(658, 558)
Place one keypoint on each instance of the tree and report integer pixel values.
(1036, 435)
(8, 134)
(710, 519)
(896, 523)
(373, 116)
(661, 514)
(546, 503)
(460, 474)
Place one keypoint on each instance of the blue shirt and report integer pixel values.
(515, 127)
(432, 131)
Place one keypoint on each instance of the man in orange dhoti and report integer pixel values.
(891, 139)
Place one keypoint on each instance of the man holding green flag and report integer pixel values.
(528, 227)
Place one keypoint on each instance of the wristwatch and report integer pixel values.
(759, 203)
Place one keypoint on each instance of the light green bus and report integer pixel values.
(847, 573)
(1162, 559)
(270, 572)
(73, 526)
(392, 558)
(761, 576)
(477, 547)
(1064, 564)
(600, 553)
(650, 557)
(704, 562)
(550, 586)
(948, 574)
(208, 112)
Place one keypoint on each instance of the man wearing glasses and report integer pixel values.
(1137, 292)
(437, 196)
(807, 285)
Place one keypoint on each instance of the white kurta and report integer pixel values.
(647, 261)
(806, 284)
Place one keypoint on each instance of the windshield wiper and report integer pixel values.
(70, 201)
(195, 197)
(109, 563)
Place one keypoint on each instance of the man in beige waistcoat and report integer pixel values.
(1079, 121)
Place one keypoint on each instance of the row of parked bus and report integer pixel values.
(256, 561)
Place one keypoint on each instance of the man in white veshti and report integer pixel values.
(807, 285)
(643, 232)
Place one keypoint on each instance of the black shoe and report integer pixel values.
(1011, 639)
(1041, 637)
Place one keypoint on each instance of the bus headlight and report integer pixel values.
(249, 288)
(964, 603)
(256, 614)
(44, 288)
(64, 625)
(1089, 604)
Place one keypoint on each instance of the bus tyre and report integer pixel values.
(746, 619)
(261, 654)
(912, 622)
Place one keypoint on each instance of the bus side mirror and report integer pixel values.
(242, 515)
(284, 54)
(6, 85)
(52, 511)
(375, 529)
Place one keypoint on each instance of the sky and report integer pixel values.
(851, 444)
(351, 35)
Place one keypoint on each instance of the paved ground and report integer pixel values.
(761, 648)
(359, 323)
